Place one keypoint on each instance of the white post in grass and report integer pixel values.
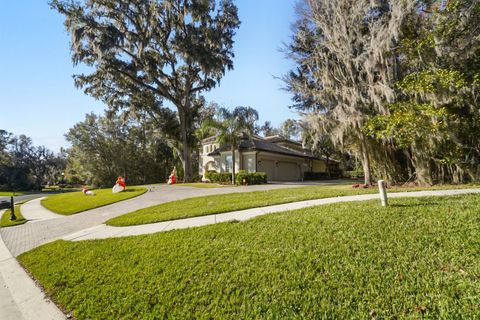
(383, 192)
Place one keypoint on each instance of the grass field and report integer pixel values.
(417, 259)
(74, 202)
(10, 193)
(5, 219)
(201, 206)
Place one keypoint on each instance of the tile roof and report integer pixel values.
(263, 145)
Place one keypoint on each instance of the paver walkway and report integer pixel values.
(103, 231)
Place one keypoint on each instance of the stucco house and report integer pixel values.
(282, 159)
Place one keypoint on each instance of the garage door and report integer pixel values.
(267, 166)
(287, 171)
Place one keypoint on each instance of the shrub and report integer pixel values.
(222, 177)
(354, 174)
(334, 174)
(250, 178)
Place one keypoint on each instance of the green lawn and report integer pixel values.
(10, 193)
(418, 258)
(5, 219)
(74, 202)
(201, 206)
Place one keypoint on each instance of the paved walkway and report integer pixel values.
(33, 211)
(103, 231)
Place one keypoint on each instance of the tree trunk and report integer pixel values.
(423, 170)
(233, 162)
(186, 156)
(327, 167)
(365, 161)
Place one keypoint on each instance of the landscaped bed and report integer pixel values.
(418, 258)
(201, 206)
(74, 202)
(5, 218)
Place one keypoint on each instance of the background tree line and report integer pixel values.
(104, 147)
(24, 166)
(394, 82)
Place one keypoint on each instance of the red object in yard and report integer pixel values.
(172, 179)
(121, 182)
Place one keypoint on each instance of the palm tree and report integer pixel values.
(230, 124)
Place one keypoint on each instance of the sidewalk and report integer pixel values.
(103, 231)
(20, 298)
(33, 211)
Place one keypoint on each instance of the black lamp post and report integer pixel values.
(12, 209)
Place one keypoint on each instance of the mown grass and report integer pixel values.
(206, 205)
(10, 193)
(418, 258)
(5, 219)
(75, 202)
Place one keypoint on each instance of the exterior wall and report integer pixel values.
(209, 147)
(223, 162)
(206, 162)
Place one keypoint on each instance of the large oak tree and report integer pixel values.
(346, 66)
(147, 51)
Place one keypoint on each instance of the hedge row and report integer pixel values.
(222, 177)
(240, 177)
(243, 177)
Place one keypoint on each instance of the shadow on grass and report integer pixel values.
(129, 190)
(411, 205)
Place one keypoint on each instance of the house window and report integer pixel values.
(228, 163)
(250, 165)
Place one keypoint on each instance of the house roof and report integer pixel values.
(260, 144)
(278, 138)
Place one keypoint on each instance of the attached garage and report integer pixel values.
(280, 168)
(287, 171)
(267, 166)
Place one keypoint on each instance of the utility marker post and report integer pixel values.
(383, 192)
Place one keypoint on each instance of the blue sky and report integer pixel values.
(38, 98)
